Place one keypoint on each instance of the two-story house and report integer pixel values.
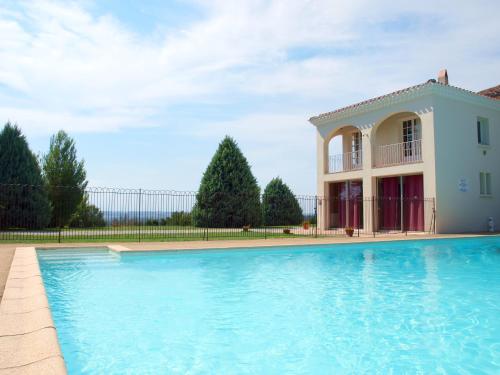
(423, 158)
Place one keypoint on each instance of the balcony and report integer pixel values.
(348, 161)
(398, 154)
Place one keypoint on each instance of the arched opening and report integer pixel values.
(344, 150)
(398, 140)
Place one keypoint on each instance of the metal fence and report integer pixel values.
(110, 214)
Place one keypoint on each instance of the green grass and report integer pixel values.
(130, 227)
(106, 236)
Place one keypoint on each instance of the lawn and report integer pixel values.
(149, 233)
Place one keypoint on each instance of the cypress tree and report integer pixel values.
(65, 176)
(23, 196)
(229, 196)
(279, 205)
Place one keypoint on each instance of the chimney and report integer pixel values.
(443, 76)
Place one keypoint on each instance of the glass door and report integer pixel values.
(411, 134)
(356, 149)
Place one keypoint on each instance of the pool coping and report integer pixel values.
(125, 247)
(28, 337)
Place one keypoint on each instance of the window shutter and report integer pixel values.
(485, 133)
(479, 131)
(481, 183)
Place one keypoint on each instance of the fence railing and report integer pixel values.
(106, 214)
(348, 161)
(399, 153)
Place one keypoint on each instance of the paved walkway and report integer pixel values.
(6, 254)
(28, 338)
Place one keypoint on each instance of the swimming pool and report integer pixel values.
(410, 306)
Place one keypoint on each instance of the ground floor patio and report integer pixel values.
(398, 204)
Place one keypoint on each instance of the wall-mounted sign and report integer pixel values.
(462, 185)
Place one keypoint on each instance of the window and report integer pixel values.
(356, 142)
(485, 183)
(483, 131)
(411, 134)
(356, 149)
(411, 130)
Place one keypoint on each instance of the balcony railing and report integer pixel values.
(399, 153)
(348, 161)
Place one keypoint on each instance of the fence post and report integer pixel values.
(140, 199)
(60, 217)
(206, 221)
(434, 215)
(316, 215)
(401, 208)
(374, 223)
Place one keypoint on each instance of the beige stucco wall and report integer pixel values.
(458, 156)
(449, 148)
(390, 132)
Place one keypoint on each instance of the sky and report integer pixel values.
(148, 89)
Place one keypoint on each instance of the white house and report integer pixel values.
(423, 158)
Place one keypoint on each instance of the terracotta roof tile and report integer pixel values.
(372, 100)
(492, 92)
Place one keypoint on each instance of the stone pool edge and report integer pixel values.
(28, 337)
(270, 243)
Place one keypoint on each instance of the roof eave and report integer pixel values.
(412, 93)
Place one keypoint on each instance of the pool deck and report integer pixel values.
(28, 338)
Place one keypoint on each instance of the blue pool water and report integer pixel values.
(430, 307)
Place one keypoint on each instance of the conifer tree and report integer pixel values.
(229, 196)
(279, 205)
(24, 201)
(65, 176)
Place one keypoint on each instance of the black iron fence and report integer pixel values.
(27, 213)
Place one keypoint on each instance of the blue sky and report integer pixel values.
(148, 89)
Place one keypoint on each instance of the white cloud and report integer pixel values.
(64, 61)
(62, 66)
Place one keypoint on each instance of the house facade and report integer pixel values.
(425, 158)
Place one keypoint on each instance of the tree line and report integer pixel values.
(229, 196)
(34, 192)
(52, 188)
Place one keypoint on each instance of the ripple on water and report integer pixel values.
(414, 307)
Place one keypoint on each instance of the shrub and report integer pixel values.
(313, 219)
(279, 205)
(86, 216)
(179, 218)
